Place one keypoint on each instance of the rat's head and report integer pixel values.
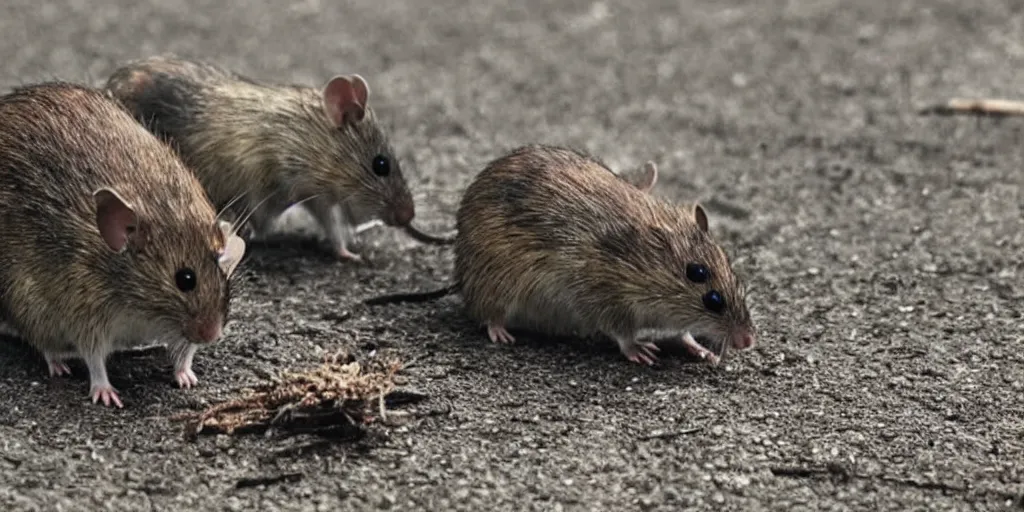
(361, 153)
(174, 275)
(704, 295)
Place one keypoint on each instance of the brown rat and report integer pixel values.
(106, 239)
(262, 148)
(550, 240)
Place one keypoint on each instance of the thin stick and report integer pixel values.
(986, 107)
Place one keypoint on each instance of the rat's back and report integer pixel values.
(548, 198)
(59, 144)
(225, 126)
(166, 93)
(59, 141)
(532, 231)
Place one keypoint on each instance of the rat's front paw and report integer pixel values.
(343, 254)
(346, 255)
(59, 368)
(498, 334)
(641, 352)
(185, 378)
(696, 349)
(107, 394)
(56, 364)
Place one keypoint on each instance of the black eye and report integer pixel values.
(714, 301)
(185, 278)
(381, 165)
(697, 273)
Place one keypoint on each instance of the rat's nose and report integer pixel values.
(208, 330)
(403, 215)
(743, 341)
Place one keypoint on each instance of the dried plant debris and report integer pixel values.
(338, 399)
(985, 107)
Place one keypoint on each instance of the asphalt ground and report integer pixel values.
(883, 251)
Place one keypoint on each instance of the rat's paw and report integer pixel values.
(498, 333)
(107, 394)
(699, 350)
(58, 368)
(348, 256)
(185, 378)
(640, 353)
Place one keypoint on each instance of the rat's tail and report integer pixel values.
(411, 297)
(429, 238)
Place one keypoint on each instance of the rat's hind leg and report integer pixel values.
(99, 386)
(339, 231)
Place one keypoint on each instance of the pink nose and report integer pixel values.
(743, 341)
(209, 330)
(404, 214)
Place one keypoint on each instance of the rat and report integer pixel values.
(550, 240)
(107, 240)
(262, 148)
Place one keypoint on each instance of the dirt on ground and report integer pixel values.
(883, 251)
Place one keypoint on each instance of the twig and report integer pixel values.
(987, 107)
(268, 480)
(809, 472)
(672, 434)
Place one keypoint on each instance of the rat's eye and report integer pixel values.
(381, 165)
(185, 278)
(714, 301)
(697, 273)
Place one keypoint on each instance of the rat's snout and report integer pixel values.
(743, 340)
(402, 214)
(206, 329)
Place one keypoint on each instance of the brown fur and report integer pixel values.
(63, 288)
(550, 240)
(271, 145)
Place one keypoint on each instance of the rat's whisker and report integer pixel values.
(232, 202)
(246, 216)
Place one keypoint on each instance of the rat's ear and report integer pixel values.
(362, 90)
(646, 176)
(234, 249)
(344, 99)
(642, 177)
(117, 222)
(701, 217)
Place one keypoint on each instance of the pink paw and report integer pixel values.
(59, 368)
(107, 394)
(498, 333)
(699, 350)
(641, 353)
(347, 255)
(186, 378)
